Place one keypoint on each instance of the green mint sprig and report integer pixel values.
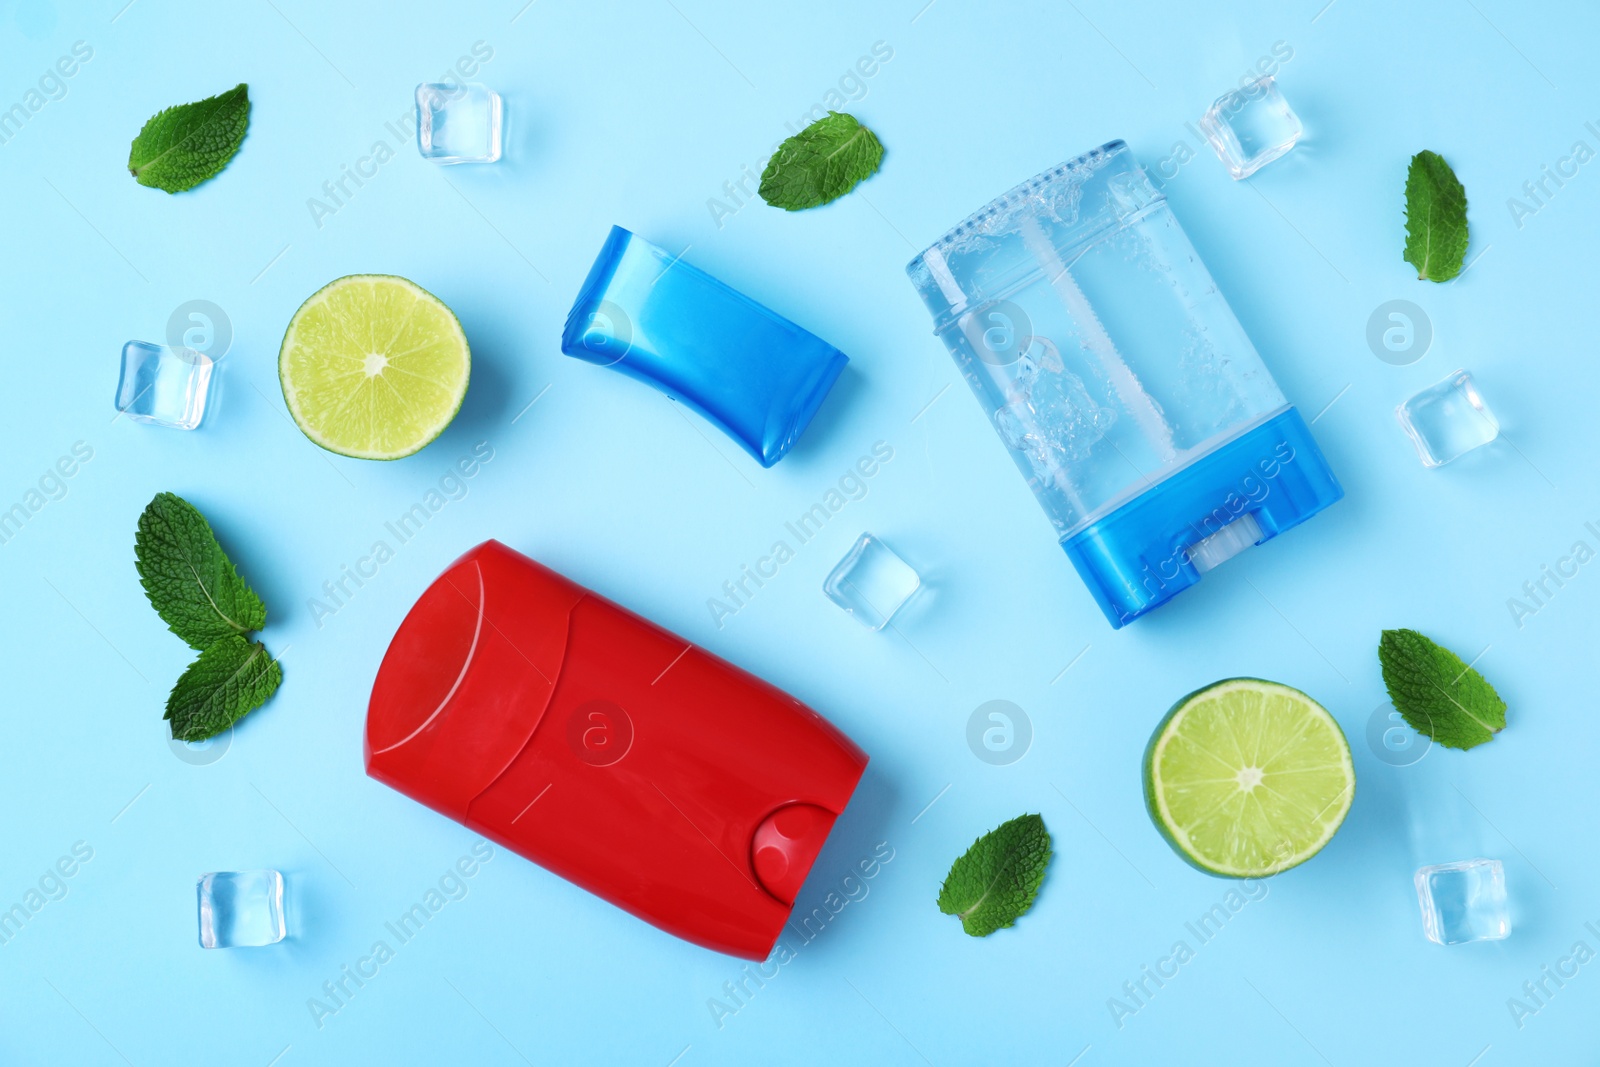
(198, 593)
(182, 146)
(1437, 694)
(995, 881)
(1436, 218)
(820, 163)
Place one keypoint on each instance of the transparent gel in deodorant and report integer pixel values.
(1130, 398)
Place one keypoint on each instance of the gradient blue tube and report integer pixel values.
(648, 314)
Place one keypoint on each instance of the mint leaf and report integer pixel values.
(230, 679)
(184, 145)
(820, 163)
(994, 883)
(1438, 695)
(1436, 218)
(195, 589)
(190, 581)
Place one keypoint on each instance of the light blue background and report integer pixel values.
(637, 113)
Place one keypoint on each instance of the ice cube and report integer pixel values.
(162, 385)
(871, 582)
(1463, 902)
(1448, 420)
(1251, 126)
(241, 909)
(458, 123)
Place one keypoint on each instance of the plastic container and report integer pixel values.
(1130, 398)
(651, 316)
(608, 750)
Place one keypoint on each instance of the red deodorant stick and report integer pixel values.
(608, 750)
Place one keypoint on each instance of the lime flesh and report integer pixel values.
(373, 366)
(1246, 778)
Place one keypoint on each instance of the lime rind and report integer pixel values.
(374, 366)
(1297, 760)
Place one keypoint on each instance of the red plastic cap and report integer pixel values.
(463, 648)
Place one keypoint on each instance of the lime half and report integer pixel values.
(1246, 778)
(373, 366)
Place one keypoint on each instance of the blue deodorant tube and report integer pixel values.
(752, 372)
(1130, 398)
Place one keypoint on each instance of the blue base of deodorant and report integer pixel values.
(1139, 556)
